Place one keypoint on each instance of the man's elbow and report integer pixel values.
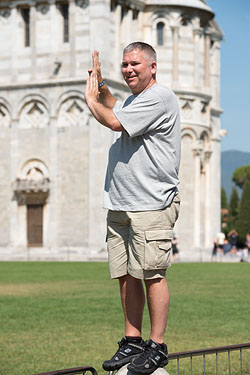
(116, 126)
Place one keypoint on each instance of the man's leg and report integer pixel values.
(133, 301)
(158, 305)
(155, 351)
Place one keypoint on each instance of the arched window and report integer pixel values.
(160, 33)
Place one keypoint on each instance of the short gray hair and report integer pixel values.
(146, 48)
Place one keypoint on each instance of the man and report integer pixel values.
(142, 199)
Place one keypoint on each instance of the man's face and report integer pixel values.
(137, 71)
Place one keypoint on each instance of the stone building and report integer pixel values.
(53, 152)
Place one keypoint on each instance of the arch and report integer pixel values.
(188, 131)
(35, 98)
(186, 19)
(33, 169)
(204, 136)
(159, 25)
(160, 33)
(71, 109)
(5, 117)
(33, 112)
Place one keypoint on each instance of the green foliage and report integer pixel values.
(234, 203)
(223, 198)
(243, 223)
(59, 315)
(241, 175)
(233, 210)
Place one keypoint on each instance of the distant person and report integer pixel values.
(247, 243)
(214, 252)
(233, 239)
(227, 247)
(220, 241)
(246, 251)
(175, 248)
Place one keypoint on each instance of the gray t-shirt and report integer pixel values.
(142, 172)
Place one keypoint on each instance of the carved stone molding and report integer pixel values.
(32, 185)
(187, 106)
(82, 3)
(43, 7)
(34, 115)
(5, 12)
(5, 120)
(73, 111)
(27, 186)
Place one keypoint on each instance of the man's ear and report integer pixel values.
(154, 67)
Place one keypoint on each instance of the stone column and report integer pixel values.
(197, 196)
(123, 29)
(14, 152)
(216, 185)
(147, 31)
(54, 26)
(33, 39)
(207, 42)
(216, 79)
(72, 37)
(208, 218)
(175, 70)
(14, 43)
(99, 24)
(140, 26)
(117, 37)
(129, 27)
(196, 34)
(50, 227)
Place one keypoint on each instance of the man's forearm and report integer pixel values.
(105, 97)
(104, 115)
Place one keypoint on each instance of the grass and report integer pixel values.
(59, 315)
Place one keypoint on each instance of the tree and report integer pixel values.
(241, 175)
(243, 222)
(223, 198)
(233, 210)
(234, 203)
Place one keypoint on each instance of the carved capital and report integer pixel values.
(5, 12)
(197, 151)
(197, 31)
(208, 154)
(43, 7)
(82, 3)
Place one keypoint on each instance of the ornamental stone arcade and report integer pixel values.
(53, 152)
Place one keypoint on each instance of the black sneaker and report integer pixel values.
(128, 349)
(154, 356)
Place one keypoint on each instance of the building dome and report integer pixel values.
(197, 4)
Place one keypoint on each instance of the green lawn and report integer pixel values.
(58, 315)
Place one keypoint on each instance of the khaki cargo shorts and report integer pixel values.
(139, 243)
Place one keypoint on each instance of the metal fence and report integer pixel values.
(71, 371)
(204, 352)
(173, 356)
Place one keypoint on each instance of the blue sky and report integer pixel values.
(233, 17)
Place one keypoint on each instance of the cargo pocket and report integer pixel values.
(157, 249)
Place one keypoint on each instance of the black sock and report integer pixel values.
(133, 338)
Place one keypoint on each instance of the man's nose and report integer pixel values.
(129, 68)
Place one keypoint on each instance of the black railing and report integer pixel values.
(174, 356)
(71, 371)
(204, 352)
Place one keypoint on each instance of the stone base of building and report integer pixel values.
(42, 254)
(79, 254)
(205, 255)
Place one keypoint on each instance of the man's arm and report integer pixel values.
(103, 114)
(105, 96)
